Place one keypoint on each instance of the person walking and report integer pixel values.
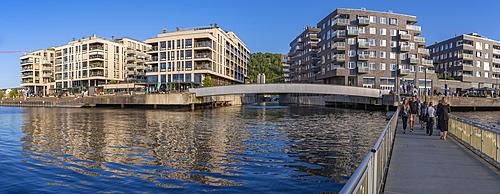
(423, 111)
(430, 122)
(414, 111)
(443, 117)
(404, 111)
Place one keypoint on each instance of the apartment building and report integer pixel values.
(470, 58)
(303, 56)
(286, 68)
(88, 62)
(37, 71)
(135, 57)
(370, 49)
(185, 57)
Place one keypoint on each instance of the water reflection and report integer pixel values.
(231, 149)
(491, 118)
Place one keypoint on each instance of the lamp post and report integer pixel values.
(445, 85)
(425, 80)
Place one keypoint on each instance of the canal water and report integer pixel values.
(491, 118)
(237, 149)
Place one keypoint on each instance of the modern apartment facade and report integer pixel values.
(88, 62)
(135, 60)
(470, 58)
(303, 56)
(286, 68)
(184, 57)
(370, 49)
(37, 71)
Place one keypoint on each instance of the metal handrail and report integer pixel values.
(374, 166)
(473, 135)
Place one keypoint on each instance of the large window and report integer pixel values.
(393, 21)
(188, 77)
(369, 82)
(387, 83)
(189, 66)
(163, 78)
(383, 20)
(189, 43)
(153, 79)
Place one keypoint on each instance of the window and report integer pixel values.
(478, 54)
(393, 32)
(486, 66)
(478, 63)
(393, 21)
(382, 54)
(393, 67)
(479, 45)
(369, 82)
(382, 42)
(446, 46)
(373, 42)
(352, 53)
(352, 65)
(392, 55)
(362, 29)
(373, 19)
(373, 66)
(420, 69)
(373, 30)
(383, 20)
(393, 43)
(486, 46)
(412, 68)
(451, 44)
(486, 74)
(383, 31)
(373, 54)
(382, 66)
(351, 41)
(478, 74)
(402, 56)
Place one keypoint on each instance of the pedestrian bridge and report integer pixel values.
(288, 89)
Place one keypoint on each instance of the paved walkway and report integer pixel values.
(426, 164)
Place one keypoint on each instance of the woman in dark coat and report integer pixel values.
(442, 111)
(404, 111)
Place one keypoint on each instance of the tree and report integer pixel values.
(207, 82)
(1, 94)
(13, 93)
(268, 64)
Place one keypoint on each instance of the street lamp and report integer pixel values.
(445, 85)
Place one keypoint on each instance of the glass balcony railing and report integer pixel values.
(412, 27)
(202, 44)
(341, 21)
(466, 56)
(423, 51)
(404, 48)
(414, 60)
(419, 39)
(495, 60)
(363, 57)
(363, 21)
(363, 45)
(202, 56)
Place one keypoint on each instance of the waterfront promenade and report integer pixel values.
(427, 164)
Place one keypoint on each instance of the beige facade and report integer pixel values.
(37, 71)
(135, 66)
(89, 62)
(185, 56)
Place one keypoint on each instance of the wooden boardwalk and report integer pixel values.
(426, 164)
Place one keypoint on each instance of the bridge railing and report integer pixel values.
(483, 138)
(369, 176)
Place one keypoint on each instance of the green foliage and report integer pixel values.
(439, 76)
(207, 82)
(1, 95)
(112, 81)
(13, 93)
(268, 64)
(450, 78)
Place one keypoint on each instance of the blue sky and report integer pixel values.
(265, 26)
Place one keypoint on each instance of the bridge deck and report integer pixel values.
(427, 164)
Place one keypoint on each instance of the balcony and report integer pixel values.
(202, 45)
(152, 60)
(141, 67)
(60, 70)
(130, 73)
(140, 60)
(202, 56)
(96, 66)
(352, 32)
(340, 23)
(300, 40)
(495, 69)
(363, 57)
(45, 62)
(419, 40)
(313, 37)
(404, 48)
(141, 74)
(414, 60)
(286, 70)
(427, 63)
(466, 56)
(363, 45)
(496, 60)
(96, 58)
(339, 34)
(131, 58)
(26, 62)
(363, 21)
(130, 65)
(404, 37)
(299, 48)
(423, 51)
(496, 51)
(96, 47)
(46, 75)
(131, 52)
(404, 71)
(96, 75)
(338, 46)
(26, 75)
(27, 69)
(339, 57)
(46, 69)
(416, 29)
(153, 49)
(363, 70)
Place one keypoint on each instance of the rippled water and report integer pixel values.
(238, 149)
(491, 118)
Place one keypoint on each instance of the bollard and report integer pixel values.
(192, 107)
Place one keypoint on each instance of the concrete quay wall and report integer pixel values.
(466, 102)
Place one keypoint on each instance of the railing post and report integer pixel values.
(481, 140)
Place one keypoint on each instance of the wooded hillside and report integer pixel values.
(266, 63)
